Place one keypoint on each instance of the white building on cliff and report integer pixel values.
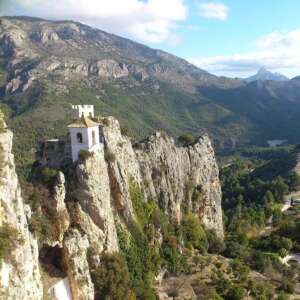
(84, 132)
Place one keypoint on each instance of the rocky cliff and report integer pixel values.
(177, 178)
(19, 266)
(87, 204)
(182, 177)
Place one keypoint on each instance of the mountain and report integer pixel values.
(263, 74)
(45, 66)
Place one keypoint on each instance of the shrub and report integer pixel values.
(204, 291)
(174, 260)
(109, 156)
(261, 290)
(283, 252)
(260, 261)
(236, 292)
(48, 176)
(233, 249)
(40, 226)
(141, 259)
(124, 130)
(84, 155)
(283, 296)
(288, 286)
(193, 232)
(240, 270)
(215, 244)
(9, 237)
(186, 139)
(111, 279)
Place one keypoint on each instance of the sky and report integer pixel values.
(225, 37)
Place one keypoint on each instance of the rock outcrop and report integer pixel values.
(19, 267)
(182, 177)
(85, 206)
(176, 177)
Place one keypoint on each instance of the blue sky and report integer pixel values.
(229, 37)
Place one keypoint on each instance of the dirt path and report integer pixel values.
(288, 200)
(291, 256)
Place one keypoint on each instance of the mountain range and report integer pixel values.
(47, 65)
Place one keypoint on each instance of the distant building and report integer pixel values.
(84, 135)
(79, 111)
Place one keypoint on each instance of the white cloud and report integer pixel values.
(148, 21)
(214, 10)
(276, 51)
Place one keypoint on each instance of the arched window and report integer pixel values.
(79, 137)
(94, 137)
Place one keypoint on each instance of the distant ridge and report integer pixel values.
(263, 74)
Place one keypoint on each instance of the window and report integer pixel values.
(79, 137)
(94, 137)
(90, 115)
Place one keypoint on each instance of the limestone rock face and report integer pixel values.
(182, 177)
(19, 271)
(59, 213)
(92, 215)
(75, 247)
(122, 166)
(109, 68)
(176, 177)
(94, 197)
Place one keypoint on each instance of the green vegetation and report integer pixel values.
(111, 279)
(145, 255)
(109, 156)
(193, 233)
(9, 238)
(84, 155)
(248, 201)
(186, 139)
(250, 204)
(42, 218)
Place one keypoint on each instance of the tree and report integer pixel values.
(283, 252)
(186, 139)
(233, 249)
(294, 181)
(279, 188)
(268, 197)
(111, 279)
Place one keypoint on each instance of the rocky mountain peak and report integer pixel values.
(264, 74)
